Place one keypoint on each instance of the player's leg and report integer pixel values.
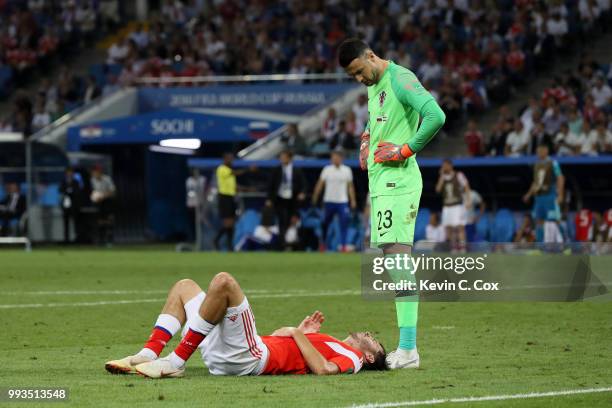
(446, 223)
(329, 211)
(407, 310)
(395, 219)
(539, 215)
(344, 216)
(169, 321)
(223, 292)
(461, 235)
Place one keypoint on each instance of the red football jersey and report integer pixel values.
(286, 358)
(584, 223)
(608, 217)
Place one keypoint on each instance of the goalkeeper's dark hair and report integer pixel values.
(379, 363)
(350, 49)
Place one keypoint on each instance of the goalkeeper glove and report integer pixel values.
(364, 150)
(390, 152)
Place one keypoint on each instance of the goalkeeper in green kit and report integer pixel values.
(396, 103)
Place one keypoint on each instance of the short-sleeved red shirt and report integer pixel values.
(286, 358)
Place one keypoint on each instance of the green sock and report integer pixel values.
(407, 308)
(407, 315)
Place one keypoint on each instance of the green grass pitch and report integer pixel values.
(71, 322)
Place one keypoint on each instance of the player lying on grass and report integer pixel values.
(221, 324)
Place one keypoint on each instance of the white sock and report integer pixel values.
(175, 360)
(167, 322)
(147, 353)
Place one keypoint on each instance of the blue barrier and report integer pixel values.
(205, 163)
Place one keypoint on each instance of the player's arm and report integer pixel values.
(468, 194)
(560, 182)
(440, 183)
(530, 192)
(352, 195)
(317, 191)
(314, 359)
(410, 92)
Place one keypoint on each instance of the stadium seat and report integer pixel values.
(421, 224)
(50, 196)
(503, 226)
(246, 224)
(311, 218)
(482, 228)
(571, 226)
(6, 73)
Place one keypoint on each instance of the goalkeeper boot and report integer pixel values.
(403, 359)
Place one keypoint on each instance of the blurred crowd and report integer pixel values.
(573, 116)
(35, 37)
(467, 52)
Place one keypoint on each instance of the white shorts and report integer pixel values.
(454, 215)
(233, 347)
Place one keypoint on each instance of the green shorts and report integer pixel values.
(392, 218)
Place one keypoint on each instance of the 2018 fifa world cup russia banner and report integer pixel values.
(282, 98)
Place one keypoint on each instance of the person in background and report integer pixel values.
(360, 109)
(103, 193)
(517, 141)
(601, 235)
(264, 235)
(292, 236)
(226, 199)
(293, 141)
(337, 179)
(476, 210)
(474, 139)
(604, 138)
(564, 141)
(456, 197)
(588, 143)
(71, 190)
(342, 139)
(286, 191)
(434, 231)
(548, 187)
(195, 188)
(330, 126)
(526, 232)
(12, 207)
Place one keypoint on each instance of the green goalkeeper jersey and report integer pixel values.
(395, 104)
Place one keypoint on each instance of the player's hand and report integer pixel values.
(312, 323)
(526, 198)
(390, 152)
(364, 150)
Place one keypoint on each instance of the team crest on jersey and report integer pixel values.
(233, 317)
(381, 98)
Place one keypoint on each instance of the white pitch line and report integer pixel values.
(480, 399)
(100, 303)
(128, 301)
(122, 292)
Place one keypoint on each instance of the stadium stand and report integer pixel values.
(471, 54)
(572, 116)
(467, 53)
